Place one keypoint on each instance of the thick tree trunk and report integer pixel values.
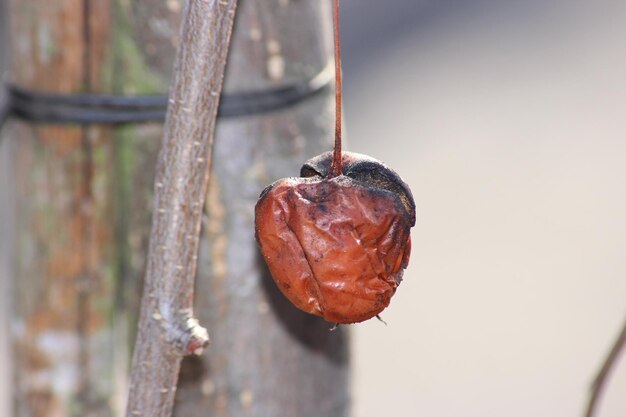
(5, 239)
(82, 198)
(266, 358)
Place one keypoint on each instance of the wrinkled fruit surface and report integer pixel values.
(337, 247)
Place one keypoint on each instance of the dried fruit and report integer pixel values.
(337, 238)
(337, 247)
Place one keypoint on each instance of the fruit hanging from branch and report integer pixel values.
(337, 238)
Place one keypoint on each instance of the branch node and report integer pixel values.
(184, 334)
(197, 338)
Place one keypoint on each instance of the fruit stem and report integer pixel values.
(335, 168)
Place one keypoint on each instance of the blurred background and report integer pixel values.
(508, 121)
(4, 365)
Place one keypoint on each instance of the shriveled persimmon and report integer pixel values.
(337, 247)
(337, 238)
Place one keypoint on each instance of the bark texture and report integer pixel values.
(266, 357)
(167, 330)
(81, 201)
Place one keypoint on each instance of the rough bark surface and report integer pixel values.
(62, 340)
(81, 202)
(6, 237)
(266, 357)
(167, 330)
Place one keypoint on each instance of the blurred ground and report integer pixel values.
(507, 118)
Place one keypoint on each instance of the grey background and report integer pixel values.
(507, 118)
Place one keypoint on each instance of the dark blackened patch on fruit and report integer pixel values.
(374, 174)
(265, 191)
(308, 171)
(373, 194)
(367, 171)
(317, 166)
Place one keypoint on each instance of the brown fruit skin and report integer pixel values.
(337, 247)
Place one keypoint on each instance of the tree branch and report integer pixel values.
(599, 383)
(167, 330)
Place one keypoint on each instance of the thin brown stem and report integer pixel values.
(599, 383)
(335, 169)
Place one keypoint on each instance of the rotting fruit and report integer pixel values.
(337, 238)
(337, 246)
